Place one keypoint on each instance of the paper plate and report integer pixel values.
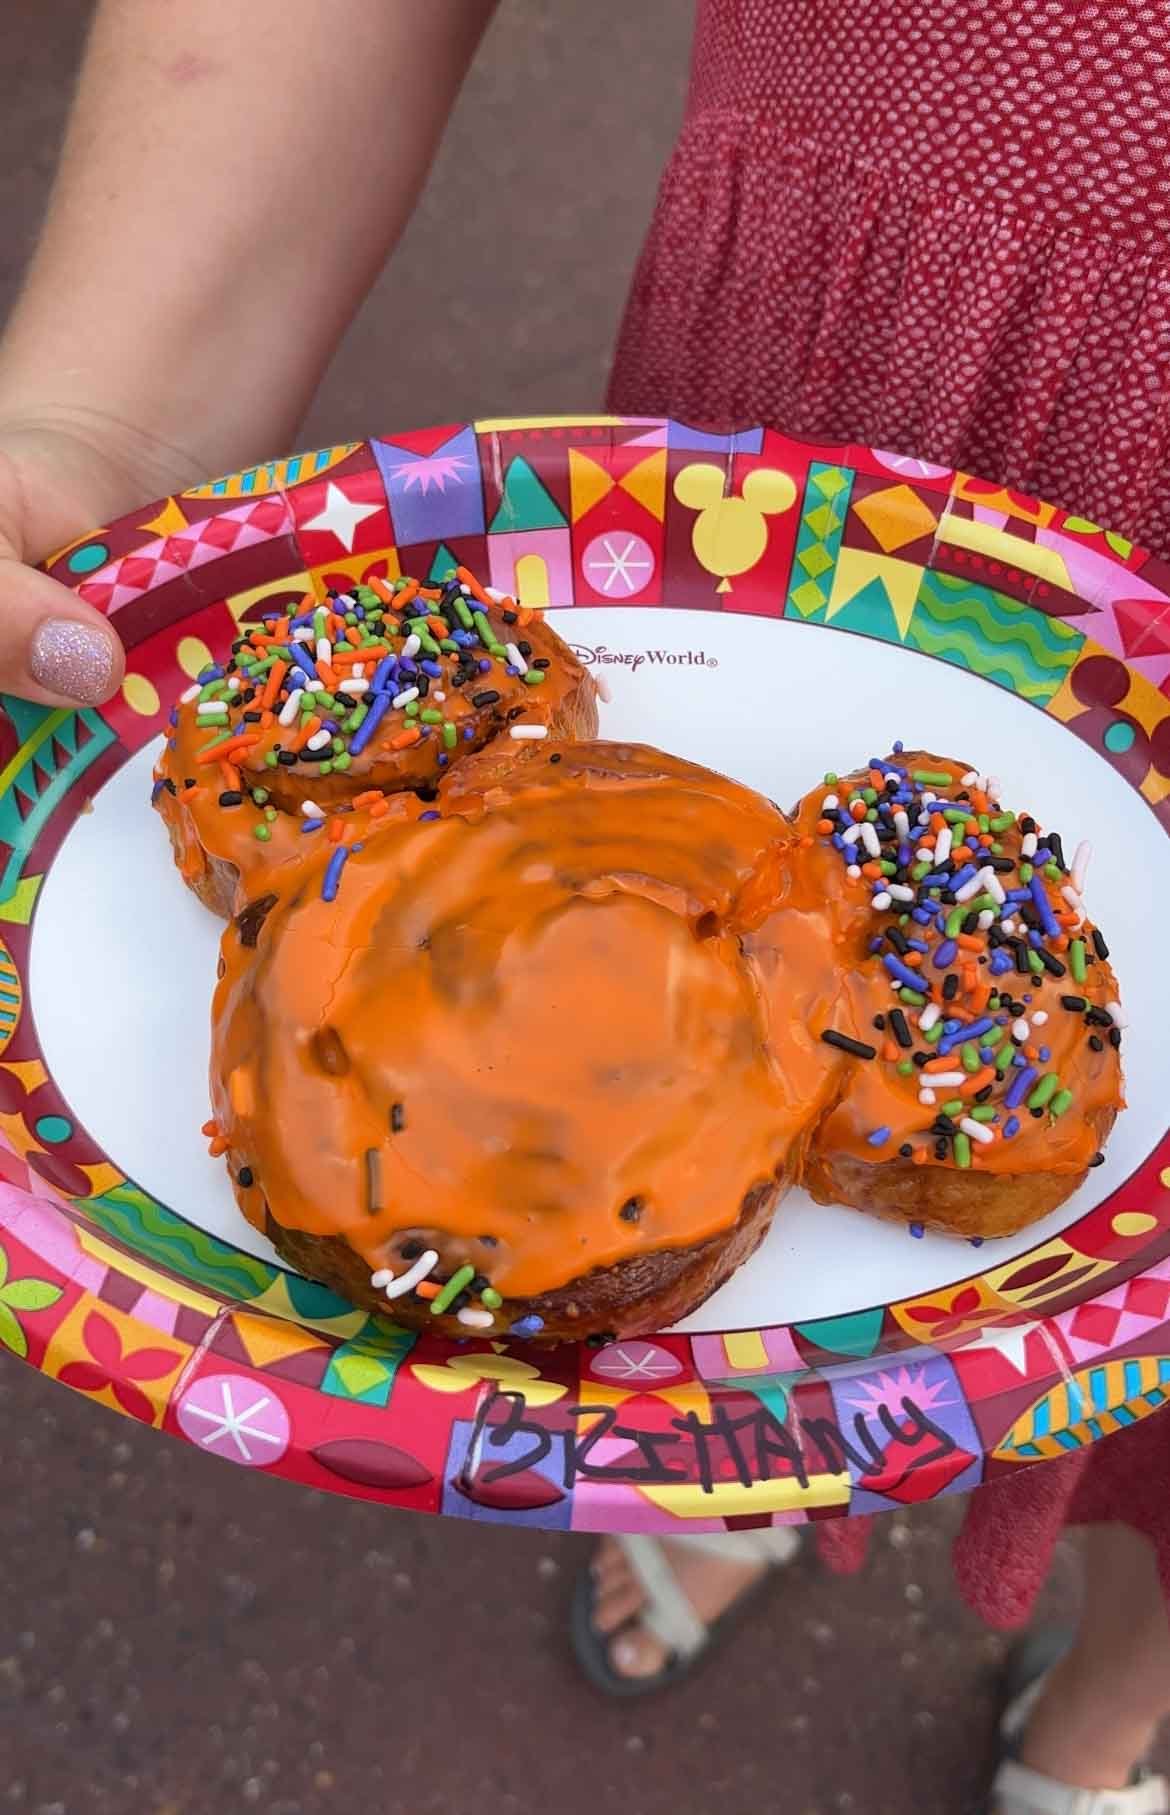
(768, 607)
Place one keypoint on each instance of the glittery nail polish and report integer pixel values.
(75, 659)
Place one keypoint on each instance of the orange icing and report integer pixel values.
(550, 980)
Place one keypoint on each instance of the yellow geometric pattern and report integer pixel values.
(1013, 551)
(857, 567)
(589, 483)
(895, 516)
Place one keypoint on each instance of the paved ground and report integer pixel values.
(180, 1638)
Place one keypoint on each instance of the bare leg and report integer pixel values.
(1105, 1700)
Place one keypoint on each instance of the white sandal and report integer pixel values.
(1018, 1790)
(667, 1612)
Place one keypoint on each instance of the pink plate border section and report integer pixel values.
(109, 1291)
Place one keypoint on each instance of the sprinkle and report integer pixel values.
(373, 1181)
(333, 871)
(414, 1276)
(491, 1298)
(1060, 1102)
(462, 1276)
(935, 777)
(976, 1130)
(879, 1137)
(527, 733)
(526, 1326)
(397, 1117)
(929, 1016)
(1113, 1009)
(917, 1230)
(476, 1320)
(962, 1147)
(404, 698)
(1045, 1090)
(858, 1048)
(1019, 1086)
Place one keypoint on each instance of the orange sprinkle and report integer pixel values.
(970, 976)
(439, 626)
(379, 809)
(405, 738)
(334, 830)
(980, 998)
(210, 1128)
(978, 1079)
(912, 959)
(970, 943)
(979, 801)
(231, 775)
(425, 1289)
(945, 1064)
(352, 635)
(430, 592)
(309, 729)
(876, 780)
(824, 827)
(871, 869)
(272, 685)
(219, 1146)
(219, 752)
(937, 822)
(919, 1156)
(341, 658)
(327, 674)
(466, 578)
(377, 585)
(368, 798)
(279, 631)
(890, 1051)
(858, 810)
(405, 594)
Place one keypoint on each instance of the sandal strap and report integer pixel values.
(1020, 1791)
(668, 1613)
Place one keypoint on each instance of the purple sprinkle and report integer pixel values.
(296, 653)
(966, 874)
(444, 759)
(1020, 1086)
(333, 871)
(423, 816)
(987, 1054)
(946, 954)
(433, 669)
(156, 791)
(1040, 897)
(526, 1326)
(468, 733)
(484, 666)
(904, 974)
(383, 672)
(370, 723)
(1045, 1054)
(917, 1231)
(976, 1241)
(1011, 1127)
(312, 825)
(214, 673)
(879, 1137)
(174, 718)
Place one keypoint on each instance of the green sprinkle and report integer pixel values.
(221, 739)
(491, 1298)
(919, 871)
(830, 778)
(956, 816)
(934, 776)
(260, 796)
(997, 1033)
(955, 919)
(996, 848)
(534, 677)
(1004, 1057)
(1000, 823)
(1060, 1102)
(343, 761)
(270, 759)
(449, 646)
(869, 795)
(933, 1035)
(956, 1106)
(969, 1054)
(450, 736)
(1053, 872)
(983, 823)
(1034, 963)
(913, 996)
(465, 615)
(259, 668)
(962, 1146)
(1026, 872)
(326, 768)
(431, 716)
(338, 744)
(888, 869)
(484, 631)
(212, 691)
(270, 815)
(982, 1112)
(906, 1068)
(411, 709)
(263, 832)
(1076, 960)
(1045, 1090)
(357, 715)
(463, 1276)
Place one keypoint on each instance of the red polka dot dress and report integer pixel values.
(941, 228)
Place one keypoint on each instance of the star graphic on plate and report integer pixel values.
(636, 1361)
(1007, 1339)
(340, 516)
(621, 563)
(236, 1423)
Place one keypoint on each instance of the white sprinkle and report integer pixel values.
(901, 822)
(465, 590)
(869, 838)
(924, 855)
(927, 1097)
(479, 1320)
(404, 698)
(192, 693)
(438, 696)
(973, 887)
(992, 884)
(493, 592)
(528, 733)
(1080, 863)
(986, 916)
(354, 687)
(303, 635)
(319, 740)
(1020, 1029)
(992, 787)
(314, 686)
(1040, 1017)
(324, 649)
(976, 1130)
(412, 645)
(311, 810)
(942, 845)
(381, 1278)
(1028, 844)
(851, 834)
(853, 871)
(881, 901)
(233, 685)
(1008, 924)
(358, 671)
(1071, 896)
(512, 651)
(603, 689)
(929, 1016)
(946, 1080)
(406, 1282)
(830, 801)
(1114, 1009)
(899, 892)
(291, 707)
(211, 713)
(971, 777)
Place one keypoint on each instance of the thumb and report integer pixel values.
(54, 648)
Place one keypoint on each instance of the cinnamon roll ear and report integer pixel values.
(986, 1070)
(378, 692)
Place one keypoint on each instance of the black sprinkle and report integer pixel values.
(512, 617)
(858, 1048)
(906, 1150)
(632, 1209)
(488, 697)
(169, 785)
(898, 940)
(489, 1241)
(397, 1118)
(981, 1096)
(477, 1284)
(458, 1302)
(943, 1124)
(1035, 1114)
(970, 923)
(231, 797)
(1075, 1004)
(251, 718)
(940, 1150)
(1096, 1042)
(189, 782)
(524, 648)
(542, 662)
(1052, 965)
(1098, 1159)
(1115, 1036)
(900, 1028)
(555, 757)
(1054, 845)
(245, 1177)
(287, 759)
(921, 1058)
(1020, 954)
(1099, 945)
(411, 1250)
(1098, 1017)
(599, 1339)
(879, 1022)
(950, 986)
(1027, 825)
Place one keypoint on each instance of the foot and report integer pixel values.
(711, 1584)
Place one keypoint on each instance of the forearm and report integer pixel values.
(232, 179)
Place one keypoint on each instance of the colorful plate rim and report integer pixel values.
(107, 1290)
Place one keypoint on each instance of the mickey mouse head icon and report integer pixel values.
(730, 534)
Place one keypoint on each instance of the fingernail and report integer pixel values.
(73, 658)
(626, 1656)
